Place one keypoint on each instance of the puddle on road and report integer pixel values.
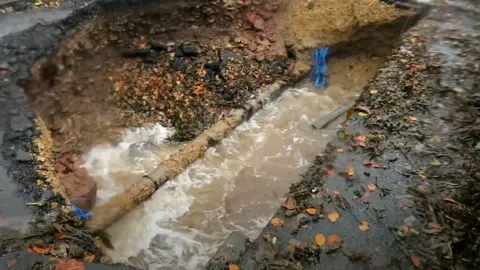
(237, 186)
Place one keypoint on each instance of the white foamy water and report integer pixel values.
(237, 186)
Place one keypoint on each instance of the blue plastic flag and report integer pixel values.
(319, 71)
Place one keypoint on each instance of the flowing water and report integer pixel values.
(237, 186)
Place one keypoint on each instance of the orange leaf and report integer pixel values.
(404, 229)
(416, 261)
(333, 240)
(372, 187)
(448, 199)
(60, 235)
(276, 222)
(311, 211)
(349, 113)
(70, 264)
(320, 239)
(373, 91)
(41, 250)
(290, 204)
(331, 172)
(360, 138)
(233, 267)
(421, 174)
(340, 150)
(333, 216)
(364, 226)
(89, 258)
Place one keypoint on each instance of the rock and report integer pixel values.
(170, 44)
(157, 46)
(191, 50)
(132, 53)
(77, 183)
(256, 21)
(20, 123)
(21, 155)
(178, 51)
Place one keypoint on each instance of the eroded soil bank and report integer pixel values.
(398, 187)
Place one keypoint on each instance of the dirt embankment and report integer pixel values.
(397, 188)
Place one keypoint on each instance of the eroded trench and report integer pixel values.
(127, 89)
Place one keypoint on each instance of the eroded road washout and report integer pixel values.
(240, 182)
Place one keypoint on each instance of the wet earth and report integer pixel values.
(396, 188)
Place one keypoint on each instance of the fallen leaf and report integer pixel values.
(333, 216)
(276, 222)
(404, 229)
(233, 267)
(340, 150)
(272, 239)
(70, 264)
(290, 204)
(360, 138)
(364, 226)
(421, 174)
(372, 187)
(320, 239)
(333, 240)
(349, 113)
(435, 162)
(371, 163)
(373, 91)
(11, 262)
(89, 258)
(331, 172)
(350, 170)
(366, 196)
(41, 249)
(434, 225)
(362, 114)
(412, 118)
(311, 211)
(416, 261)
(60, 235)
(336, 192)
(448, 199)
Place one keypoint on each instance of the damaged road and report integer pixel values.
(398, 187)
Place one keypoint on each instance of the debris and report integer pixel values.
(319, 72)
(372, 187)
(416, 261)
(290, 204)
(311, 211)
(70, 264)
(350, 170)
(330, 172)
(233, 267)
(60, 235)
(334, 241)
(371, 163)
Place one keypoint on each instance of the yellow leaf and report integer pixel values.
(276, 222)
(311, 211)
(435, 162)
(364, 226)
(290, 204)
(412, 118)
(373, 91)
(233, 267)
(350, 171)
(421, 174)
(362, 114)
(333, 216)
(320, 239)
(372, 187)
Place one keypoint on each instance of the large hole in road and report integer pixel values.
(125, 89)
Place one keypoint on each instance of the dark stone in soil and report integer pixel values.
(190, 50)
(132, 53)
(158, 46)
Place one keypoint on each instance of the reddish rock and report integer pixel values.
(77, 182)
(256, 21)
(252, 46)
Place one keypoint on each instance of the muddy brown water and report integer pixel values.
(237, 186)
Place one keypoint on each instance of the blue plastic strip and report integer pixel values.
(79, 212)
(319, 71)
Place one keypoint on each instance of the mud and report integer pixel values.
(396, 189)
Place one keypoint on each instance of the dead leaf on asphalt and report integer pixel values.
(333, 216)
(60, 235)
(276, 222)
(421, 174)
(364, 226)
(350, 170)
(416, 261)
(372, 187)
(371, 163)
(320, 239)
(339, 150)
(330, 172)
(333, 240)
(233, 267)
(290, 204)
(311, 211)
(70, 264)
(41, 249)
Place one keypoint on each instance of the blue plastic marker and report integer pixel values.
(320, 69)
(79, 212)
